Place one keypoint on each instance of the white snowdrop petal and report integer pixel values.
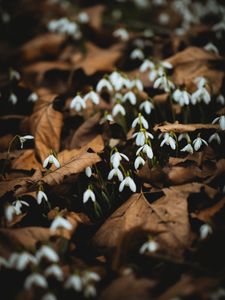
(35, 279)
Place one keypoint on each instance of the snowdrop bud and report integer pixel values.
(13, 98)
(137, 54)
(129, 182)
(60, 222)
(48, 253)
(41, 196)
(138, 162)
(83, 17)
(150, 246)
(122, 34)
(74, 282)
(90, 291)
(54, 270)
(89, 194)
(49, 296)
(33, 97)
(88, 172)
(35, 279)
(204, 231)
(220, 99)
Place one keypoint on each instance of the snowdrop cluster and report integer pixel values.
(83, 282)
(156, 70)
(79, 103)
(142, 140)
(65, 26)
(119, 172)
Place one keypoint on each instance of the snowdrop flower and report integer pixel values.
(138, 84)
(51, 159)
(33, 97)
(197, 143)
(141, 137)
(60, 222)
(182, 97)
(78, 103)
(168, 140)
(104, 84)
(18, 205)
(54, 270)
(20, 261)
(164, 18)
(107, 117)
(14, 75)
(90, 291)
(221, 121)
(141, 121)
(10, 211)
(41, 196)
(118, 109)
(131, 97)
(129, 182)
(200, 82)
(218, 294)
(49, 296)
(165, 64)
(116, 158)
(115, 77)
(3, 262)
(220, 99)
(88, 194)
(48, 253)
(90, 276)
(146, 65)
(93, 96)
(149, 246)
(122, 34)
(188, 148)
(137, 54)
(75, 282)
(200, 94)
(83, 17)
(24, 138)
(204, 231)
(13, 98)
(35, 279)
(146, 149)
(147, 106)
(183, 136)
(211, 48)
(138, 162)
(163, 83)
(215, 137)
(115, 172)
(88, 172)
